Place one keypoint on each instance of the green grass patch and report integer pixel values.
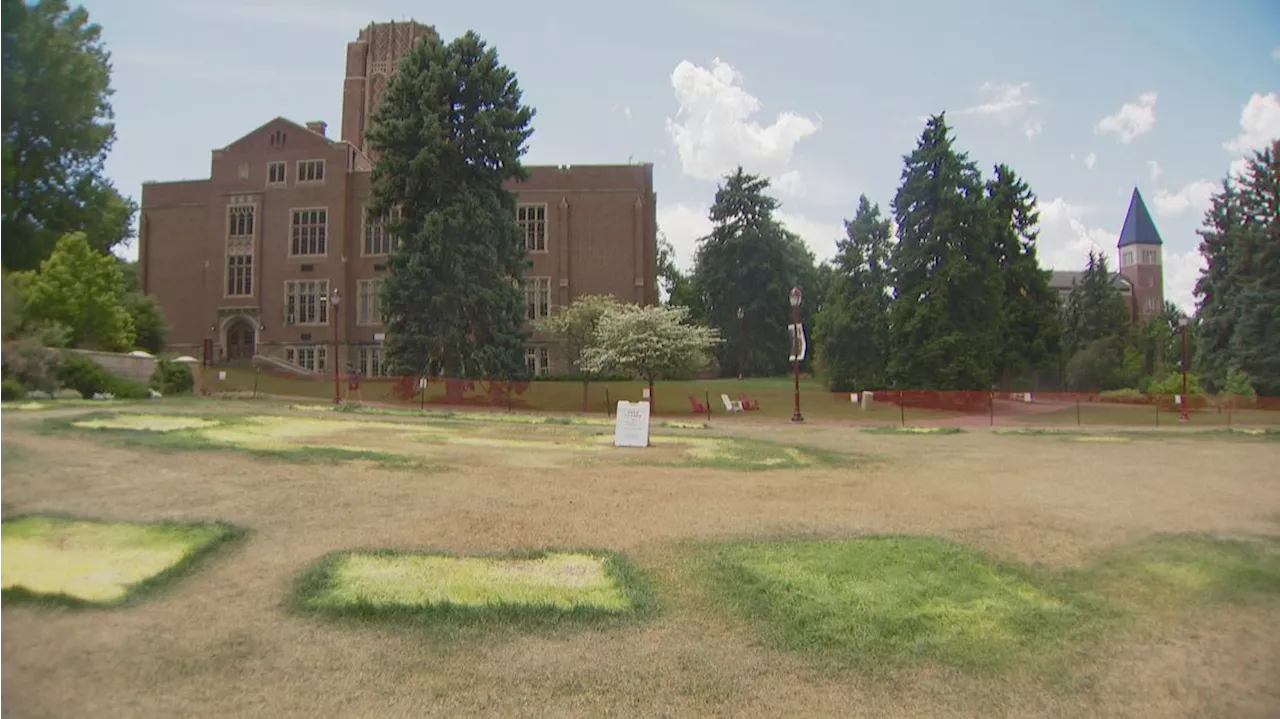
(1170, 570)
(247, 435)
(878, 603)
(732, 453)
(68, 561)
(541, 588)
(898, 429)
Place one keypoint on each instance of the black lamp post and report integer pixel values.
(741, 314)
(795, 349)
(334, 299)
(1182, 324)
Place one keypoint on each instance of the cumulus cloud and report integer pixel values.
(1259, 126)
(1275, 54)
(1090, 160)
(714, 132)
(1132, 120)
(1032, 128)
(1192, 196)
(624, 110)
(819, 236)
(1153, 170)
(1065, 239)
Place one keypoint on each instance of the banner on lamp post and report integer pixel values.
(798, 343)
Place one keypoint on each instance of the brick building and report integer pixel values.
(245, 263)
(1140, 280)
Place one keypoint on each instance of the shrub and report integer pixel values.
(33, 365)
(121, 388)
(1171, 384)
(11, 389)
(1125, 396)
(84, 375)
(1238, 389)
(172, 377)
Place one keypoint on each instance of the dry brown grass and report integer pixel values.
(221, 642)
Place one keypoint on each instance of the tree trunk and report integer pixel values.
(653, 404)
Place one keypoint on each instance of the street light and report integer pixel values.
(1183, 321)
(741, 314)
(334, 299)
(795, 349)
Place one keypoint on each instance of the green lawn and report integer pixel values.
(874, 603)
(1128, 415)
(775, 394)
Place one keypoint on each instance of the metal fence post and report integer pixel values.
(1157, 411)
(608, 404)
(1077, 411)
(256, 374)
(422, 387)
(902, 410)
(991, 405)
(706, 397)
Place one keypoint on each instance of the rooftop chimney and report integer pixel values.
(317, 126)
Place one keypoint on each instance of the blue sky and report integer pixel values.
(1084, 99)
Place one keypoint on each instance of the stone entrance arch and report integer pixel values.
(242, 339)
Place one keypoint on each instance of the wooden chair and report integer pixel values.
(697, 405)
(748, 405)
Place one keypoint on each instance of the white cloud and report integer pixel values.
(1259, 126)
(336, 17)
(683, 226)
(1181, 270)
(624, 110)
(1153, 170)
(1002, 101)
(1032, 128)
(713, 131)
(1192, 196)
(1065, 240)
(1131, 120)
(790, 184)
(1090, 160)
(819, 236)
(1275, 54)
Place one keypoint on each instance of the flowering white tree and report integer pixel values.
(649, 342)
(574, 328)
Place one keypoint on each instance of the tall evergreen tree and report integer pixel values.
(450, 132)
(1216, 287)
(750, 261)
(1095, 309)
(1255, 341)
(944, 326)
(1030, 322)
(851, 330)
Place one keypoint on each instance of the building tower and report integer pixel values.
(1141, 260)
(371, 60)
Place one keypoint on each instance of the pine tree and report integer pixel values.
(750, 261)
(851, 331)
(450, 132)
(1095, 310)
(1030, 322)
(944, 327)
(1255, 340)
(1215, 288)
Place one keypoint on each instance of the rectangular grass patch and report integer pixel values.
(877, 602)
(84, 562)
(546, 584)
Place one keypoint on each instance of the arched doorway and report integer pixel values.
(240, 341)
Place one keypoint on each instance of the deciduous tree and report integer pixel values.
(57, 132)
(450, 131)
(574, 328)
(82, 290)
(653, 343)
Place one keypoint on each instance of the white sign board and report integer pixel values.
(796, 333)
(222, 376)
(379, 336)
(631, 429)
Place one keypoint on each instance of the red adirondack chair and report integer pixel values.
(748, 405)
(697, 405)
